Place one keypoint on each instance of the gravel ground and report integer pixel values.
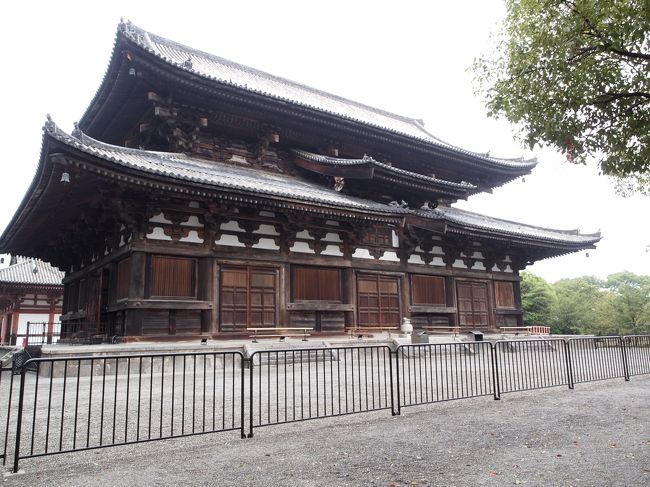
(596, 435)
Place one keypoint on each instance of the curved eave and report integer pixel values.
(368, 168)
(500, 170)
(31, 199)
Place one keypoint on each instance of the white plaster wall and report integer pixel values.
(332, 237)
(266, 230)
(459, 264)
(390, 257)
(229, 241)
(395, 239)
(302, 248)
(304, 234)
(415, 259)
(266, 244)
(332, 250)
(232, 226)
(192, 237)
(193, 221)
(159, 218)
(157, 234)
(34, 318)
(478, 266)
(362, 254)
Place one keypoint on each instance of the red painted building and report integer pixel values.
(30, 292)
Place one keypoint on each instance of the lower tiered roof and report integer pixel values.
(196, 176)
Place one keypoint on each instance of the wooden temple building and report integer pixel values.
(201, 198)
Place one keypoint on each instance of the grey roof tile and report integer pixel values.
(221, 175)
(484, 222)
(336, 161)
(31, 271)
(284, 187)
(253, 80)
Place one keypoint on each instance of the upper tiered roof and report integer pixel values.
(192, 67)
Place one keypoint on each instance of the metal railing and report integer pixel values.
(596, 358)
(37, 333)
(637, 353)
(297, 385)
(531, 364)
(81, 403)
(442, 372)
(85, 403)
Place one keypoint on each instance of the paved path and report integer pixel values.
(596, 435)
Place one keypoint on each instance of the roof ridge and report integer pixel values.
(131, 30)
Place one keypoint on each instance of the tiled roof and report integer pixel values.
(289, 188)
(335, 161)
(220, 175)
(477, 221)
(32, 271)
(229, 73)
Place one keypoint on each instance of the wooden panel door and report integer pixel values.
(262, 298)
(378, 300)
(248, 298)
(473, 306)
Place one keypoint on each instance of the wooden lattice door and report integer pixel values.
(473, 310)
(378, 300)
(248, 298)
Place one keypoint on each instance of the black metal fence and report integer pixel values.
(80, 403)
(37, 333)
(531, 364)
(297, 385)
(637, 353)
(443, 372)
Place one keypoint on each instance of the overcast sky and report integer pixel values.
(402, 56)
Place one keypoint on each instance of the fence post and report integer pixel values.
(569, 368)
(251, 360)
(399, 401)
(390, 369)
(241, 390)
(495, 372)
(626, 370)
(11, 388)
(19, 417)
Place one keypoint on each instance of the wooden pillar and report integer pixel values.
(406, 297)
(50, 320)
(133, 317)
(284, 285)
(516, 290)
(450, 288)
(10, 320)
(206, 292)
(350, 297)
(15, 319)
(4, 329)
(216, 279)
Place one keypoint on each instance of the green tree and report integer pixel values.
(630, 303)
(538, 300)
(574, 74)
(581, 306)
